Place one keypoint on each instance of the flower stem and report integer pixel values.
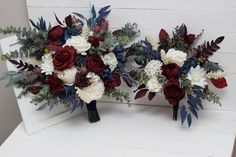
(92, 111)
(175, 112)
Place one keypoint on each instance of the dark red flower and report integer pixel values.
(34, 89)
(56, 33)
(170, 70)
(219, 83)
(81, 80)
(55, 84)
(111, 83)
(95, 63)
(64, 58)
(172, 91)
(94, 41)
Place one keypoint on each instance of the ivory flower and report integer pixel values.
(68, 75)
(153, 85)
(47, 66)
(153, 68)
(110, 59)
(197, 76)
(93, 92)
(215, 75)
(173, 56)
(79, 43)
(152, 41)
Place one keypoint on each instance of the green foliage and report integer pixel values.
(119, 95)
(31, 41)
(139, 76)
(42, 95)
(211, 96)
(110, 41)
(13, 76)
(212, 66)
(178, 41)
(128, 33)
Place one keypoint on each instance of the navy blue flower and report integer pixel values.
(81, 60)
(106, 73)
(119, 52)
(68, 96)
(187, 65)
(71, 31)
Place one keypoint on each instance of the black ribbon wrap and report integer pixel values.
(92, 111)
(175, 111)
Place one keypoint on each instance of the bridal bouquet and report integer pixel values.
(177, 69)
(75, 62)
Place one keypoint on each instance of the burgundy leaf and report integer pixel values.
(190, 39)
(13, 61)
(151, 95)
(214, 45)
(140, 93)
(219, 40)
(163, 35)
(140, 87)
(117, 32)
(209, 47)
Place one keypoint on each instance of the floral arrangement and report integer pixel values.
(75, 62)
(179, 70)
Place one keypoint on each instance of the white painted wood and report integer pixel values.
(210, 20)
(134, 4)
(137, 131)
(34, 120)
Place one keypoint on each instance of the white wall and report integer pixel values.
(12, 12)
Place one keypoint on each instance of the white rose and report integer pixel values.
(197, 76)
(79, 43)
(68, 75)
(93, 92)
(153, 85)
(110, 59)
(173, 56)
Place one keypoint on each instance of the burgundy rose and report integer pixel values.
(94, 41)
(219, 83)
(170, 70)
(81, 80)
(55, 84)
(34, 89)
(56, 33)
(64, 58)
(113, 82)
(95, 63)
(172, 91)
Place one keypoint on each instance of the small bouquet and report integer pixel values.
(179, 70)
(75, 62)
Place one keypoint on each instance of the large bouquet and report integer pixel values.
(179, 70)
(75, 62)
